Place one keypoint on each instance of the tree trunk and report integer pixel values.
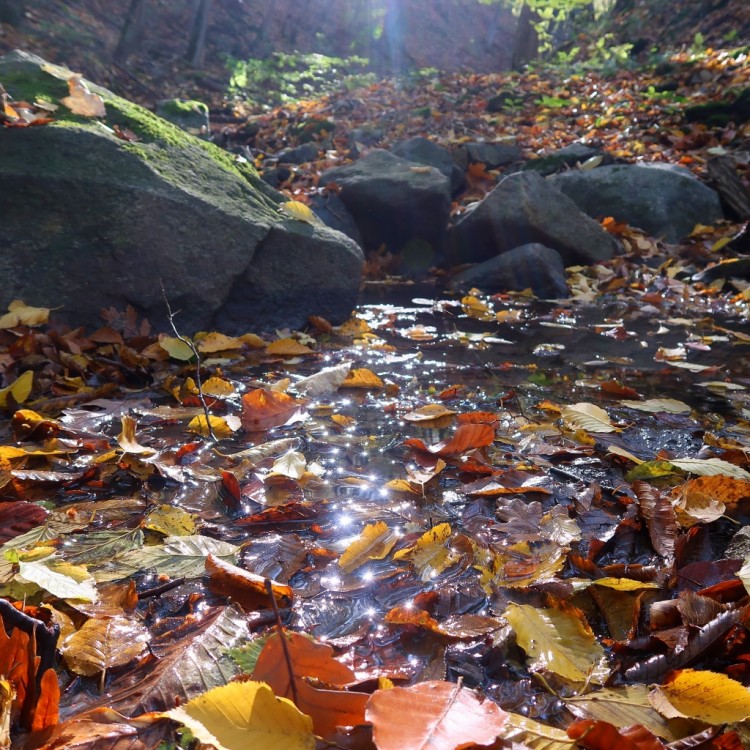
(132, 31)
(197, 44)
(526, 44)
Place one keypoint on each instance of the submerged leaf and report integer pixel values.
(374, 542)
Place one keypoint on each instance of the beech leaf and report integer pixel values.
(245, 714)
(435, 714)
(589, 417)
(375, 541)
(19, 389)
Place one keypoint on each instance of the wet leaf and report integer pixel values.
(47, 709)
(292, 465)
(589, 417)
(127, 440)
(287, 348)
(218, 388)
(171, 520)
(325, 381)
(710, 467)
(245, 714)
(362, 378)
(434, 714)
(263, 409)
(428, 413)
(375, 541)
(217, 342)
(56, 583)
(707, 696)
(559, 641)
(222, 428)
(298, 211)
(535, 735)
(245, 588)
(655, 405)
(177, 348)
(103, 644)
(601, 735)
(431, 554)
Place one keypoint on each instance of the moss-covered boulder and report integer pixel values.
(91, 219)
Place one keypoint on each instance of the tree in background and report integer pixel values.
(197, 44)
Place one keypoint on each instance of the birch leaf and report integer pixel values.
(57, 584)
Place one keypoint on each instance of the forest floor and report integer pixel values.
(529, 517)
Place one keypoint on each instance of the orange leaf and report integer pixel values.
(601, 735)
(287, 348)
(720, 487)
(434, 714)
(328, 708)
(245, 588)
(263, 409)
(466, 438)
(47, 711)
(362, 378)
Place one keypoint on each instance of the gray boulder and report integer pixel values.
(531, 266)
(90, 220)
(664, 200)
(188, 114)
(524, 208)
(492, 155)
(396, 203)
(423, 151)
(569, 156)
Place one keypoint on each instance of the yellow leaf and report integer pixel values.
(171, 520)
(534, 735)
(287, 348)
(299, 211)
(559, 641)
(20, 388)
(712, 697)
(252, 340)
(176, 348)
(218, 342)
(430, 555)
(353, 328)
(218, 387)
(362, 378)
(126, 438)
(20, 314)
(221, 427)
(375, 541)
(587, 417)
(241, 715)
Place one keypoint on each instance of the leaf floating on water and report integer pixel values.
(127, 440)
(222, 427)
(245, 714)
(428, 413)
(375, 541)
(656, 405)
(434, 714)
(707, 467)
(362, 378)
(217, 342)
(177, 348)
(430, 555)
(263, 409)
(589, 417)
(326, 381)
(287, 347)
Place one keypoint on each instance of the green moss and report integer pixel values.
(183, 107)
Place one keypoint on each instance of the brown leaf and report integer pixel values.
(660, 517)
(466, 438)
(263, 409)
(243, 587)
(601, 735)
(434, 714)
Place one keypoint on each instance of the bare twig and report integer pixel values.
(282, 638)
(197, 356)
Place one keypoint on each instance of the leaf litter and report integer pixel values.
(496, 516)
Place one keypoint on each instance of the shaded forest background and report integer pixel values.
(161, 56)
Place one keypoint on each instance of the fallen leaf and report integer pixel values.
(19, 389)
(222, 427)
(589, 417)
(434, 714)
(20, 314)
(428, 413)
(431, 554)
(375, 541)
(263, 409)
(362, 378)
(82, 101)
(245, 714)
(287, 348)
(245, 588)
(127, 440)
(217, 342)
(298, 211)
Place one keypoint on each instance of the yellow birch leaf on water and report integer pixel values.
(287, 348)
(223, 428)
(587, 417)
(375, 541)
(218, 388)
(712, 697)
(176, 348)
(102, 644)
(245, 714)
(126, 438)
(430, 555)
(82, 101)
(298, 211)
(534, 735)
(171, 520)
(622, 707)
(655, 405)
(428, 413)
(362, 378)
(20, 314)
(559, 641)
(20, 388)
(218, 342)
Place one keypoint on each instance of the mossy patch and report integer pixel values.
(182, 107)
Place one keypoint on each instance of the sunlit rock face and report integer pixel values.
(92, 220)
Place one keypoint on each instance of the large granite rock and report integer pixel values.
(531, 266)
(663, 199)
(89, 220)
(524, 208)
(397, 204)
(424, 151)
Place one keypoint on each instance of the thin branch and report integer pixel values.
(282, 638)
(197, 356)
